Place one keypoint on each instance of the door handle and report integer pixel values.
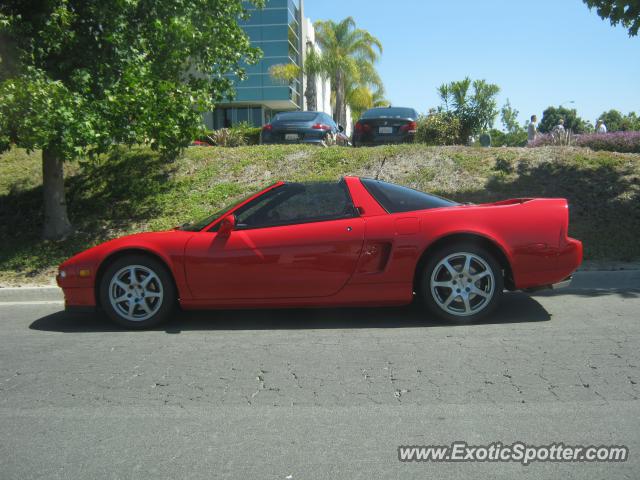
(349, 229)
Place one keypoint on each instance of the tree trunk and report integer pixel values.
(311, 93)
(340, 114)
(56, 221)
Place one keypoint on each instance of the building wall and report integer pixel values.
(282, 32)
(276, 30)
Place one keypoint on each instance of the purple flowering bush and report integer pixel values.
(624, 142)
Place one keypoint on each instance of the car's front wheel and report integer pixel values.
(137, 291)
(462, 283)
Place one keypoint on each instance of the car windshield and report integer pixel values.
(391, 112)
(295, 117)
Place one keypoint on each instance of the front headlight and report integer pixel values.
(62, 273)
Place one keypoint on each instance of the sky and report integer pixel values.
(540, 53)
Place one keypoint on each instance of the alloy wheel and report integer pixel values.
(462, 284)
(135, 293)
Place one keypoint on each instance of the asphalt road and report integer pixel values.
(319, 394)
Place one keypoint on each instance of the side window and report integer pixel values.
(297, 203)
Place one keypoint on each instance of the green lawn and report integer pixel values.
(135, 190)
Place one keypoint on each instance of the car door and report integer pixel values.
(295, 241)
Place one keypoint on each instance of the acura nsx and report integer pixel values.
(352, 242)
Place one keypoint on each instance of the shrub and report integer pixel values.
(439, 128)
(250, 133)
(224, 137)
(510, 139)
(236, 136)
(625, 142)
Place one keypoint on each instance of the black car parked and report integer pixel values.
(382, 125)
(303, 127)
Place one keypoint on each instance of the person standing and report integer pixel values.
(601, 127)
(560, 127)
(532, 131)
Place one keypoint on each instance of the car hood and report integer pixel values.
(151, 241)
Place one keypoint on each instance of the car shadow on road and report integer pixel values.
(515, 308)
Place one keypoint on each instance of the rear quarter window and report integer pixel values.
(396, 198)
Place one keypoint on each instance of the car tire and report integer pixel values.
(461, 283)
(137, 292)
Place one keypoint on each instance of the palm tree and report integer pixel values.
(363, 98)
(378, 99)
(349, 55)
(314, 67)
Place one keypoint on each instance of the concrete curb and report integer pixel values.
(30, 294)
(582, 280)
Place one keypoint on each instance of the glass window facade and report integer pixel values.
(275, 29)
(227, 116)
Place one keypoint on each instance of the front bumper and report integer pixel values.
(81, 297)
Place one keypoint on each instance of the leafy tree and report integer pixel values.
(475, 109)
(350, 54)
(366, 80)
(616, 121)
(588, 127)
(362, 98)
(285, 72)
(624, 12)
(631, 122)
(509, 117)
(80, 76)
(378, 99)
(552, 115)
(612, 119)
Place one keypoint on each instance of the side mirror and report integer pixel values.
(340, 128)
(227, 225)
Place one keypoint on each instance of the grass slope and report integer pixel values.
(135, 190)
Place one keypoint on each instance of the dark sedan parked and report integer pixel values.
(385, 125)
(304, 127)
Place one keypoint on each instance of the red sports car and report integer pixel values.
(356, 241)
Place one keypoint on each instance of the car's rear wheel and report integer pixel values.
(462, 283)
(137, 291)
